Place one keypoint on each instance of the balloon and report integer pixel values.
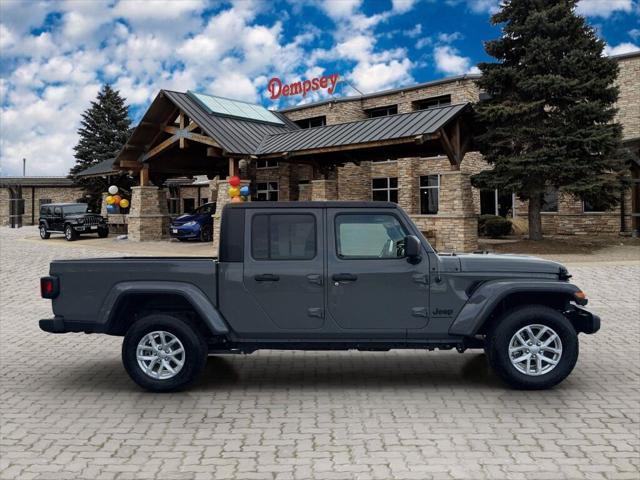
(236, 200)
(113, 189)
(110, 200)
(124, 203)
(234, 192)
(244, 198)
(111, 209)
(116, 199)
(244, 191)
(234, 181)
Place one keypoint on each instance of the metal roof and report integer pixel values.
(316, 204)
(103, 168)
(392, 127)
(36, 182)
(235, 135)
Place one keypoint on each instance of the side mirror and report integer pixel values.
(412, 248)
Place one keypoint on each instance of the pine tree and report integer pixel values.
(549, 121)
(103, 131)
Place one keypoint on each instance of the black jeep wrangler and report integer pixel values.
(71, 219)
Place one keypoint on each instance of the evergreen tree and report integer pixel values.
(549, 121)
(103, 131)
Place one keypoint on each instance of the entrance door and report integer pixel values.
(371, 287)
(284, 268)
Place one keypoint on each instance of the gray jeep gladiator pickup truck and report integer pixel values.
(322, 276)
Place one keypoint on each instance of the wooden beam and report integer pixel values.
(197, 137)
(449, 149)
(160, 147)
(192, 126)
(161, 129)
(129, 164)
(144, 176)
(183, 142)
(234, 167)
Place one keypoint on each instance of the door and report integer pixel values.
(56, 221)
(284, 268)
(371, 285)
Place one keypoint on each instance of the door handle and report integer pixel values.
(314, 278)
(344, 277)
(266, 277)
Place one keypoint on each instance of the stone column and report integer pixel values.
(354, 182)
(148, 215)
(408, 185)
(304, 192)
(103, 205)
(457, 222)
(324, 190)
(221, 200)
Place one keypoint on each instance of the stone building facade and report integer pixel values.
(416, 184)
(34, 192)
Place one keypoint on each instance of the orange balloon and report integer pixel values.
(116, 199)
(236, 200)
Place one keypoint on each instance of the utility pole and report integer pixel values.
(24, 167)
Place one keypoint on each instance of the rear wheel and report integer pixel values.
(69, 233)
(103, 232)
(532, 347)
(162, 353)
(44, 233)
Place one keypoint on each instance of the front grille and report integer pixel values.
(91, 220)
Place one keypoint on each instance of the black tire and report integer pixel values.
(206, 233)
(44, 233)
(69, 233)
(195, 352)
(103, 232)
(499, 338)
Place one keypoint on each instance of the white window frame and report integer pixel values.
(420, 188)
(387, 189)
(267, 191)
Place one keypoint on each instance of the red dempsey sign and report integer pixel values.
(277, 89)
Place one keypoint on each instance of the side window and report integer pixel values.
(283, 237)
(369, 236)
(57, 211)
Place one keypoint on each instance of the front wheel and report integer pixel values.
(206, 233)
(69, 233)
(162, 353)
(533, 347)
(103, 232)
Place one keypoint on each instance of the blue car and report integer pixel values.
(197, 225)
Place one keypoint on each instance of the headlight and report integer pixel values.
(81, 220)
(190, 224)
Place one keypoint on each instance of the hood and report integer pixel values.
(82, 215)
(508, 263)
(187, 217)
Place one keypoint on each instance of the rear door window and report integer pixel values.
(283, 237)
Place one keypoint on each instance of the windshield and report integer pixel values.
(74, 209)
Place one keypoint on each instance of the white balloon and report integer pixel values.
(113, 189)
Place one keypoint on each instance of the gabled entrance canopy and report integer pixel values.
(185, 134)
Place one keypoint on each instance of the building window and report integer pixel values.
(173, 202)
(432, 102)
(266, 163)
(550, 200)
(378, 236)
(283, 237)
(429, 194)
(312, 122)
(188, 205)
(384, 189)
(204, 200)
(267, 191)
(44, 201)
(382, 111)
(593, 206)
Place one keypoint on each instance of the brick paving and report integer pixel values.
(69, 411)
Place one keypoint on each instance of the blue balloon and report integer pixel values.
(112, 209)
(244, 191)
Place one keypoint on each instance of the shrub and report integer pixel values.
(497, 227)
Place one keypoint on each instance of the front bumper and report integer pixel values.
(179, 231)
(583, 320)
(90, 228)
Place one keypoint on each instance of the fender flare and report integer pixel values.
(486, 297)
(207, 311)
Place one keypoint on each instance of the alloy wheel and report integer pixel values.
(535, 350)
(160, 355)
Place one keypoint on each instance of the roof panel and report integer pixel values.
(235, 108)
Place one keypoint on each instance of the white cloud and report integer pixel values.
(449, 37)
(478, 6)
(369, 77)
(621, 49)
(415, 31)
(634, 33)
(339, 9)
(449, 61)
(402, 6)
(603, 8)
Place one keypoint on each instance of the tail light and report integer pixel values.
(49, 287)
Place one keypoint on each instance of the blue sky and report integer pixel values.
(54, 55)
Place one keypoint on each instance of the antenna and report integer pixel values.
(351, 85)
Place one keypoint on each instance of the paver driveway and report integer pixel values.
(70, 411)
